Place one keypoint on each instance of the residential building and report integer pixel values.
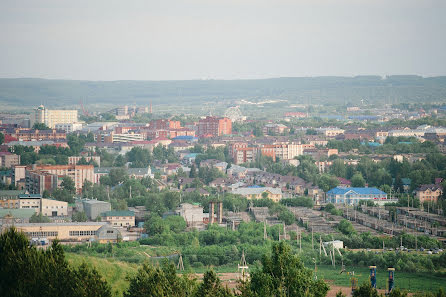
(68, 127)
(73, 160)
(78, 173)
(429, 193)
(255, 192)
(274, 129)
(213, 126)
(113, 137)
(51, 117)
(330, 131)
(119, 218)
(352, 196)
(39, 135)
(36, 182)
(9, 160)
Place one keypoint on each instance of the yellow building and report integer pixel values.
(75, 231)
(48, 207)
(429, 193)
(119, 218)
(274, 194)
(51, 117)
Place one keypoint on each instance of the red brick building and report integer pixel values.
(214, 126)
(164, 124)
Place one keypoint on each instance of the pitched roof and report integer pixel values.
(431, 187)
(360, 191)
(118, 213)
(257, 191)
(17, 213)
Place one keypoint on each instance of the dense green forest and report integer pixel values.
(315, 90)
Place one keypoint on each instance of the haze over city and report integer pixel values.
(196, 39)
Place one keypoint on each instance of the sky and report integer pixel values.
(220, 39)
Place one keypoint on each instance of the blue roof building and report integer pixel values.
(352, 196)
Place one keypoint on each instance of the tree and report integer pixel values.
(39, 218)
(211, 286)
(79, 217)
(41, 126)
(358, 181)
(68, 184)
(117, 176)
(338, 168)
(365, 290)
(50, 272)
(159, 282)
(2, 138)
(193, 171)
(346, 227)
(120, 161)
(327, 182)
(283, 274)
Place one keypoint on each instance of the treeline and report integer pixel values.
(26, 271)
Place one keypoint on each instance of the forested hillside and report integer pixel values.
(391, 89)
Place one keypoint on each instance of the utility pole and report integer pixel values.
(300, 242)
(320, 246)
(297, 235)
(312, 238)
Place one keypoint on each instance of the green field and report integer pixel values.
(413, 282)
(116, 271)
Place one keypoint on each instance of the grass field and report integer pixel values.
(116, 271)
(413, 282)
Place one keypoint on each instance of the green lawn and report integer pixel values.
(114, 272)
(413, 282)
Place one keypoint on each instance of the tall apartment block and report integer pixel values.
(214, 126)
(51, 117)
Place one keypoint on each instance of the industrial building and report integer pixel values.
(352, 196)
(75, 231)
(94, 208)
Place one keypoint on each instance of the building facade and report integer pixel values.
(51, 117)
(119, 218)
(9, 160)
(78, 173)
(48, 207)
(214, 126)
(94, 208)
(429, 193)
(274, 194)
(352, 196)
(74, 231)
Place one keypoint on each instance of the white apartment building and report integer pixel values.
(68, 127)
(51, 117)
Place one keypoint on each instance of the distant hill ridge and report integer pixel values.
(397, 88)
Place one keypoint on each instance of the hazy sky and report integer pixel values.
(193, 39)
